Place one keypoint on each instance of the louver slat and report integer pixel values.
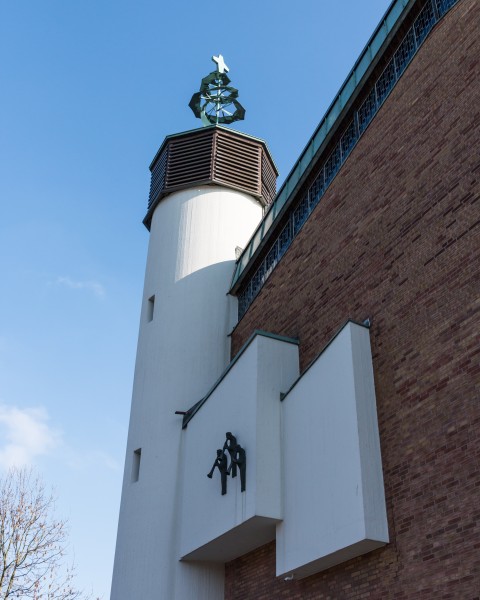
(158, 177)
(189, 161)
(238, 162)
(269, 181)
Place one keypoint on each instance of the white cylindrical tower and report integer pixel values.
(206, 199)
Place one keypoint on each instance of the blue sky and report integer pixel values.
(88, 91)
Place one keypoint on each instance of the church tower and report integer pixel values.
(208, 190)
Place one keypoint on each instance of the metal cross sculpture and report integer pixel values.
(216, 103)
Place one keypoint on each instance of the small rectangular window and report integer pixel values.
(137, 455)
(150, 308)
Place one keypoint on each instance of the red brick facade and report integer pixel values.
(396, 239)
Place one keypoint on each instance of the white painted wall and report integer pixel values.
(247, 403)
(334, 504)
(181, 352)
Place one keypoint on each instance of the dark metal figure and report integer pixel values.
(229, 446)
(221, 464)
(239, 458)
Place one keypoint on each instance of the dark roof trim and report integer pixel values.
(328, 126)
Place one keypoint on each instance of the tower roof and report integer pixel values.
(212, 155)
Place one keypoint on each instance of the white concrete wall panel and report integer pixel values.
(247, 403)
(180, 353)
(334, 505)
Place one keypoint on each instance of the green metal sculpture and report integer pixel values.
(216, 102)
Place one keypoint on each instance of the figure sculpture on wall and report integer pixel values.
(220, 463)
(229, 445)
(237, 460)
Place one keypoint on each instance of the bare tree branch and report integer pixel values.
(32, 542)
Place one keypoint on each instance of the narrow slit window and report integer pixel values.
(137, 455)
(150, 308)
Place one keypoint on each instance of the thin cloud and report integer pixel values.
(26, 434)
(108, 462)
(91, 286)
(85, 460)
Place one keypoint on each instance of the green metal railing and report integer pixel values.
(430, 14)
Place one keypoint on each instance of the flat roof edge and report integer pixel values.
(191, 412)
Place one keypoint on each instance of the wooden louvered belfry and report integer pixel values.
(212, 156)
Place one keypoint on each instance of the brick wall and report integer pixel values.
(397, 239)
